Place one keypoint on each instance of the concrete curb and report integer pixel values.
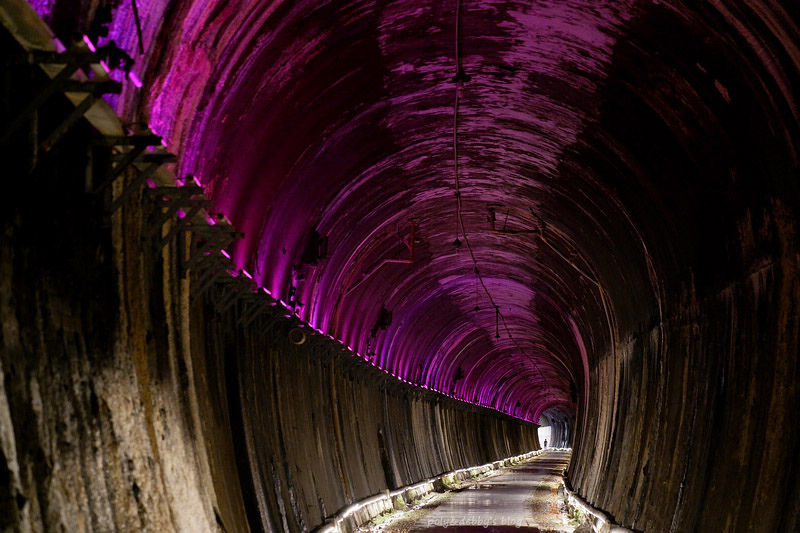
(599, 521)
(351, 518)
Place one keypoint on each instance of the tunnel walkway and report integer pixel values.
(231, 296)
(523, 498)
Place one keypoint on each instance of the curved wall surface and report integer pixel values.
(124, 408)
(321, 429)
(582, 214)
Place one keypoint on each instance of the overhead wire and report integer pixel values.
(459, 79)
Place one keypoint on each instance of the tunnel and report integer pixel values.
(447, 225)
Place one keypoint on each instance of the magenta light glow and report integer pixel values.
(292, 134)
(89, 43)
(135, 79)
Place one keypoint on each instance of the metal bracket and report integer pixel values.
(196, 206)
(206, 281)
(208, 239)
(139, 181)
(237, 287)
(252, 306)
(94, 90)
(173, 198)
(71, 61)
(129, 140)
(67, 123)
(126, 159)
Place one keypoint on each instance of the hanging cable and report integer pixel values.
(477, 293)
(138, 26)
(460, 78)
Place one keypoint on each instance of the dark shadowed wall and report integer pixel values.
(641, 160)
(125, 408)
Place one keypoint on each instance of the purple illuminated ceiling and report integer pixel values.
(337, 118)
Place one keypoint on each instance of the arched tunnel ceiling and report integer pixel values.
(582, 133)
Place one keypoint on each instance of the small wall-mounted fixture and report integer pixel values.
(316, 248)
(297, 336)
(383, 321)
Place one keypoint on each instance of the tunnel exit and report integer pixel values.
(275, 266)
(544, 436)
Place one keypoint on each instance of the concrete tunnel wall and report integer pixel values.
(695, 426)
(125, 408)
(321, 429)
(682, 193)
(691, 422)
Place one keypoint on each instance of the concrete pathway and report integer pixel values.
(522, 498)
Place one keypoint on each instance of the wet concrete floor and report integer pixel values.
(521, 498)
